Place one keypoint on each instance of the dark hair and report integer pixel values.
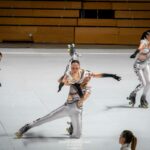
(0, 54)
(144, 35)
(75, 61)
(129, 138)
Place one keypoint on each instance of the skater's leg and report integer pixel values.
(143, 101)
(56, 114)
(76, 120)
(142, 80)
(147, 78)
(140, 74)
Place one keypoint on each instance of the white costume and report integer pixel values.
(142, 69)
(70, 108)
(125, 147)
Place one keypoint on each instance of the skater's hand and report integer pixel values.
(118, 78)
(80, 103)
(133, 55)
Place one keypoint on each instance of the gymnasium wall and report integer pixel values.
(81, 22)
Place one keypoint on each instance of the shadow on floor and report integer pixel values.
(120, 107)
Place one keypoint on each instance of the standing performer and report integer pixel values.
(142, 70)
(0, 61)
(78, 80)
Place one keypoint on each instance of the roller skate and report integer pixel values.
(23, 130)
(132, 99)
(70, 129)
(143, 102)
(72, 51)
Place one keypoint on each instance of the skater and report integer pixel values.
(78, 80)
(127, 140)
(142, 70)
(0, 61)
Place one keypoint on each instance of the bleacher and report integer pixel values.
(81, 22)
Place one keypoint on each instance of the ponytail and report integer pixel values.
(133, 143)
(144, 35)
(129, 139)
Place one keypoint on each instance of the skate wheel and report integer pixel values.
(18, 135)
(67, 129)
(130, 103)
(143, 106)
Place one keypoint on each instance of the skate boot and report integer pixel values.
(132, 99)
(143, 101)
(23, 130)
(70, 129)
(72, 51)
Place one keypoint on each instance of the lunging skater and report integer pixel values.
(78, 80)
(142, 70)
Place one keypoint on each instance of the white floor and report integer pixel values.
(29, 91)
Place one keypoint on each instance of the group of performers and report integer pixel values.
(78, 80)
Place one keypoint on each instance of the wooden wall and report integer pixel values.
(60, 22)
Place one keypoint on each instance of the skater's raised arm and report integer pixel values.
(104, 75)
(143, 43)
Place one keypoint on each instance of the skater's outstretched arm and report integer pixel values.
(103, 75)
(140, 48)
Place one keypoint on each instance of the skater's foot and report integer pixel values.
(143, 103)
(132, 99)
(23, 130)
(70, 129)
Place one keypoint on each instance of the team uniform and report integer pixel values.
(142, 70)
(69, 109)
(125, 147)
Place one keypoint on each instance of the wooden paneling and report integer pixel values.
(12, 33)
(59, 22)
(131, 6)
(121, 0)
(38, 21)
(97, 5)
(132, 14)
(129, 36)
(97, 22)
(39, 34)
(54, 35)
(91, 35)
(132, 31)
(40, 4)
(133, 23)
(113, 23)
(39, 13)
